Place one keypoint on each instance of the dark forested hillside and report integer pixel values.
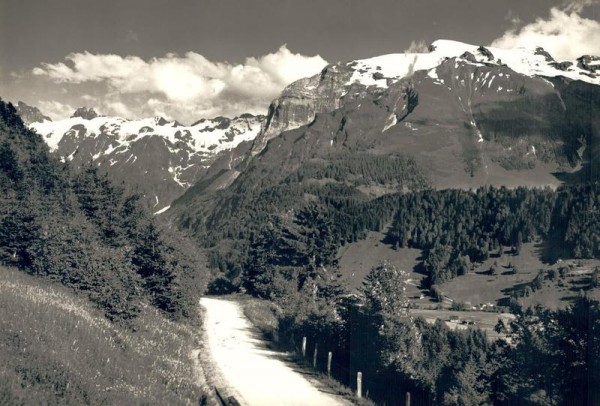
(85, 232)
(354, 149)
(455, 229)
(338, 180)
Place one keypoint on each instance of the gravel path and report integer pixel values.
(256, 375)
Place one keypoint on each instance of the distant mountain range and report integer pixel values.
(159, 158)
(467, 115)
(463, 116)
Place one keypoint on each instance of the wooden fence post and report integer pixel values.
(407, 399)
(359, 385)
(304, 347)
(329, 356)
(315, 356)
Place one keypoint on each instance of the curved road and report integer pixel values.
(256, 375)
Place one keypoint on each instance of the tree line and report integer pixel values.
(292, 261)
(545, 357)
(456, 228)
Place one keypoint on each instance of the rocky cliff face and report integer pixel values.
(85, 113)
(302, 100)
(30, 114)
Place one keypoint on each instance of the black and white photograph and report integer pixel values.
(300, 202)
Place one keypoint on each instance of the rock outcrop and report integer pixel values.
(30, 114)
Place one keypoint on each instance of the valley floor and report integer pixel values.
(253, 373)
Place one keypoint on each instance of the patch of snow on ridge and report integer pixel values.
(392, 121)
(394, 66)
(164, 209)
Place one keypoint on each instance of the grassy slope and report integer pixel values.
(477, 287)
(357, 259)
(56, 348)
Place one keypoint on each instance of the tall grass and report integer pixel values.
(56, 348)
(264, 315)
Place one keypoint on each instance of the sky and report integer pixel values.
(191, 59)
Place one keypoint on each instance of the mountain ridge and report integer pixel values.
(468, 121)
(159, 158)
(343, 88)
(381, 71)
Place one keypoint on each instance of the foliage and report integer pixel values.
(595, 278)
(56, 349)
(298, 256)
(555, 358)
(576, 221)
(84, 232)
(455, 227)
(547, 356)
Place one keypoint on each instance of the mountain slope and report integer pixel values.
(127, 290)
(57, 349)
(467, 109)
(300, 101)
(156, 157)
(483, 117)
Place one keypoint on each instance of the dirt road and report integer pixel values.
(255, 374)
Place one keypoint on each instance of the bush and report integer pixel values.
(459, 306)
(221, 285)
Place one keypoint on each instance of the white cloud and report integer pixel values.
(565, 34)
(578, 5)
(190, 83)
(417, 47)
(117, 108)
(55, 109)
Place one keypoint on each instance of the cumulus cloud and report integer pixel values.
(117, 108)
(55, 109)
(190, 83)
(565, 34)
(578, 5)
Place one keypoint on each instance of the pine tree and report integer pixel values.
(386, 306)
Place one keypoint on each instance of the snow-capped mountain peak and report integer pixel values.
(302, 100)
(536, 61)
(210, 136)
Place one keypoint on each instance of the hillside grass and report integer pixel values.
(486, 321)
(475, 288)
(264, 315)
(479, 287)
(358, 258)
(56, 348)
